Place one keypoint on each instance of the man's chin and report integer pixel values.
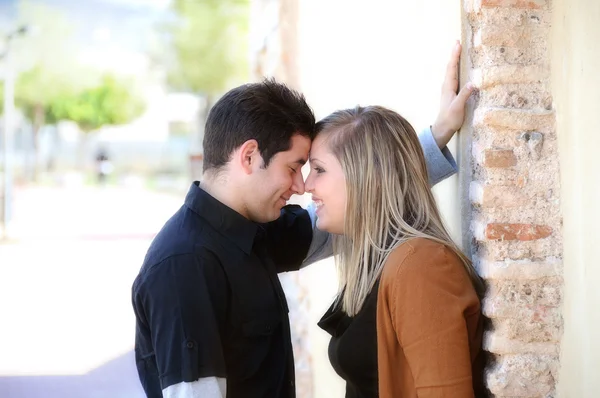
(265, 217)
(276, 213)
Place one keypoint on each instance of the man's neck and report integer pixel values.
(222, 190)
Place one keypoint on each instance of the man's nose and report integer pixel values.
(308, 184)
(298, 186)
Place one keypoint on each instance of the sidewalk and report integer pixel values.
(89, 213)
(65, 280)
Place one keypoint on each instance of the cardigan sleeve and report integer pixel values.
(428, 297)
(440, 162)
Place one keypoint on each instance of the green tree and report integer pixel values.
(109, 103)
(35, 91)
(208, 41)
(205, 49)
(44, 64)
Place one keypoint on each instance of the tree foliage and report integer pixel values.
(208, 42)
(111, 102)
(44, 58)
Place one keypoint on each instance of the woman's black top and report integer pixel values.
(353, 346)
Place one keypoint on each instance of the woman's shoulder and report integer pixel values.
(418, 257)
(427, 269)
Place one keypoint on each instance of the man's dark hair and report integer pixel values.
(269, 112)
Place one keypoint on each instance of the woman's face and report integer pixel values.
(327, 184)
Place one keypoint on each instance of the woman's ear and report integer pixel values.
(249, 156)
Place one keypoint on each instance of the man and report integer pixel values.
(212, 319)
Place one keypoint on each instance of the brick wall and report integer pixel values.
(514, 193)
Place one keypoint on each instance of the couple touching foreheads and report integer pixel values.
(212, 318)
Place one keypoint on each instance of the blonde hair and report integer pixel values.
(389, 200)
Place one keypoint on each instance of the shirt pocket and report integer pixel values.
(256, 344)
(263, 326)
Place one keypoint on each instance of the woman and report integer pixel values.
(407, 321)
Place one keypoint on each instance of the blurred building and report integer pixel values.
(156, 143)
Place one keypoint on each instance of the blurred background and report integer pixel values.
(103, 104)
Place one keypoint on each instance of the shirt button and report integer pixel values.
(190, 345)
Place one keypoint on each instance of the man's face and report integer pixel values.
(274, 185)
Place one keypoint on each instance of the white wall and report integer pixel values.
(576, 91)
(376, 52)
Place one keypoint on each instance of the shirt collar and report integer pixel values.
(231, 224)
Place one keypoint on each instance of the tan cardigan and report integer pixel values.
(429, 325)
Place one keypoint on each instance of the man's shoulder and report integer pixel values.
(184, 233)
(294, 220)
(184, 241)
(179, 265)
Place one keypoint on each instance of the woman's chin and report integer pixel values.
(322, 225)
(327, 227)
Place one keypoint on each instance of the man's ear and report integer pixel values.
(249, 156)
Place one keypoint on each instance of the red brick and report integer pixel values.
(502, 196)
(514, 3)
(496, 195)
(500, 35)
(516, 119)
(491, 76)
(522, 232)
(522, 180)
(499, 344)
(499, 158)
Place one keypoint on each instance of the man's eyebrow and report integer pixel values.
(301, 161)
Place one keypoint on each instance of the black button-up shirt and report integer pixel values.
(208, 301)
